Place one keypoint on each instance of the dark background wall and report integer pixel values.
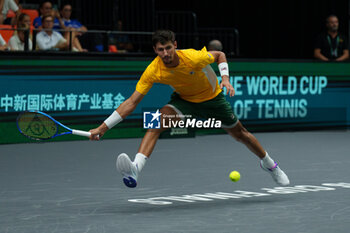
(268, 28)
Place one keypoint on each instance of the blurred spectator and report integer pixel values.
(122, 41)
(45, 8)
(331, 46)
(66, 12)
(5, 6)
(24, 19)
(16, 43)
(48, 39)
(215, 45)
(3, 45)
(80, 39)
(72, 25)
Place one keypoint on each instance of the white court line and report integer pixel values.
(205, 197)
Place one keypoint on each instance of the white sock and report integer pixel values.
(268, 162)
(140, 161)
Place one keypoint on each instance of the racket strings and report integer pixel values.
(37, 126)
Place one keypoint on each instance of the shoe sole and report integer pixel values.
(130, 182)
(123, 164)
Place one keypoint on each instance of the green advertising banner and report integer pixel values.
(276, 95)
(291, 94)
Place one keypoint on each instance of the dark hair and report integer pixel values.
(21, 17)
(163, 36)
(43, 2)
(65, 4)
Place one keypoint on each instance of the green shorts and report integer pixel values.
(218, 108)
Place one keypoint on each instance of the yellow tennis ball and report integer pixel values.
(235, 176)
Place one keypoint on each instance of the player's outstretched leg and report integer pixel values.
(276, 172)
(242, 135)
(130, 170)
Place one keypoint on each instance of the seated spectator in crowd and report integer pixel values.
(72, 25)
(91, 41)
(17, 41)
(5, 6)
(48, 39)
(331, 45)
(122, 40)
(3, 45)
(24, 19)
(46, 9)
(66, 12)
(215, 45)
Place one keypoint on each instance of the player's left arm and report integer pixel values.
(220, 59)
(345, 55)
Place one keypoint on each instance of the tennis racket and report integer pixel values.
(41, 126)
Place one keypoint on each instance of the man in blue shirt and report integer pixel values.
(46, 9)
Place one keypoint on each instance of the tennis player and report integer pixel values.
(196, 93)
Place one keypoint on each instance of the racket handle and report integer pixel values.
(81, 133)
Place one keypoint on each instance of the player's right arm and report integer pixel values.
(126, 108)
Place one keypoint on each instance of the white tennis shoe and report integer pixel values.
(128, 169)
(277, 174)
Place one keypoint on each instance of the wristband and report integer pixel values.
(223, 68)
(113, 119)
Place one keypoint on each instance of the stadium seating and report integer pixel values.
(32, 14)
(10, 14)
(6, 34)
